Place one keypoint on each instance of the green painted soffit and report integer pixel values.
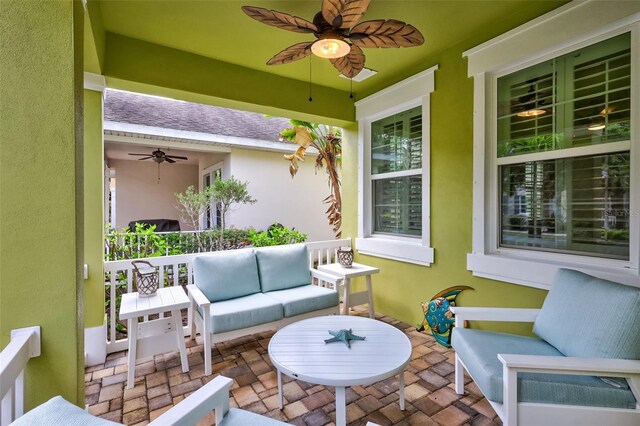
(140, 66)
(94, 38)
(219, 30)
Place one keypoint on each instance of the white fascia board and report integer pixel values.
(195, 137)
(95, 82)
(156, 142)
(564, 26)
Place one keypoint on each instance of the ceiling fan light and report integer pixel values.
(531, 113)
(330, 48)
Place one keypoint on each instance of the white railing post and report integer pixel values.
(24, 345)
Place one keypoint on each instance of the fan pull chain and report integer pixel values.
(351, 88)
(310, 98)
(158, 173)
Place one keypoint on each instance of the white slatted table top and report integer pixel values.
(356, 270)
(299, 351)
(167, 299)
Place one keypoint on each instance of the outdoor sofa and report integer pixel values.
(247, 291)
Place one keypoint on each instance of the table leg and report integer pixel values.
(372, 312)
(177, 323)
(345, 298)
(279, 389)
(132, 328)
(401, 389)
(341, 407)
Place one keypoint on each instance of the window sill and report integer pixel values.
(539, 273)
(396, 249)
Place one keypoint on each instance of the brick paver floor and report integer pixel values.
(160, 384)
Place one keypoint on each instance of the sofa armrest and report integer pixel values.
(212, 396)
(493, 314)
(323, 276)
(571, 365)
(197, 296)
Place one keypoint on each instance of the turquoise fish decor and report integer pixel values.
(344, 336)
(438, 316)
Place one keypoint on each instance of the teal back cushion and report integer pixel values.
(585, 316)
(227, 275)
(283, 267)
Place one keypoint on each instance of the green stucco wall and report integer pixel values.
(40, 189)
(400, 287)
(93, 209)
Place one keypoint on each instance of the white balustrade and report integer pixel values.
(120, 273)
(24, 345)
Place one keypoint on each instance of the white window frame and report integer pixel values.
(409, 93)
(583, 23)
(211, 171)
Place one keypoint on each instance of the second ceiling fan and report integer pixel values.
(159, 157)
(339, 36)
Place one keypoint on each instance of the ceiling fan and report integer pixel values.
(339, 36)
(159, 157)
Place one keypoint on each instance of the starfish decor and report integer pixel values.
(344, 336)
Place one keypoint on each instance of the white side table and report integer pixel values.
(353, 299)
(156, 336)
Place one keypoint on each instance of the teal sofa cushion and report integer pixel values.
(589, 317)
(238, 417)
(227, 275)
(479, 351)
(306, 298)
(58, 411)
(283, 267)
(243, 312)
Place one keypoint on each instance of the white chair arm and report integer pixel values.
(571, 365)
(197, 296)
(493, 314)
(212, 396)
(323, 276)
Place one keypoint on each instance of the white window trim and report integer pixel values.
(583, 23)
(409, 93)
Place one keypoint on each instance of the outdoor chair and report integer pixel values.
(583, 367)
(212, 396)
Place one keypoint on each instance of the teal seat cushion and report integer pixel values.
(589, 317)
(58, 411)
(283, 267)
(227, 275)
(479, 349)
(306, 298)
(238, 417)
(243, 312)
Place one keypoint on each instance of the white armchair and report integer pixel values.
(574, 374)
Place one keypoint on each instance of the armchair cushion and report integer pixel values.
(234, 314)
(306, 298)
(238, 417)
(58, 411)
(585, 316)
(479, 349)
(283, 267)
(227, 275)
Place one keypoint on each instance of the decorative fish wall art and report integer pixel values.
(438, 316)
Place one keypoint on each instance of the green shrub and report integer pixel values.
(276, 235)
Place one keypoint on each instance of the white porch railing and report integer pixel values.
(24, 345)
(178, 270)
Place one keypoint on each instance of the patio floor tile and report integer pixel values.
(160, 384)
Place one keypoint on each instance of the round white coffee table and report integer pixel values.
(299, 351)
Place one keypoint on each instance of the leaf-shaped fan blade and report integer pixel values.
(381, 33)
(344, 13)
(145, 158)
(292, 53)
(169, 160)
(176, 157)
(280, 20)
(351, 64)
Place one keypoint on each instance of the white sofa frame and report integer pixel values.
(26, 344)
(199, 300)
(514, 413)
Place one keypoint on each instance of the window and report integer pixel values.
(394, 171)
(556, 158)
(213, 216)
